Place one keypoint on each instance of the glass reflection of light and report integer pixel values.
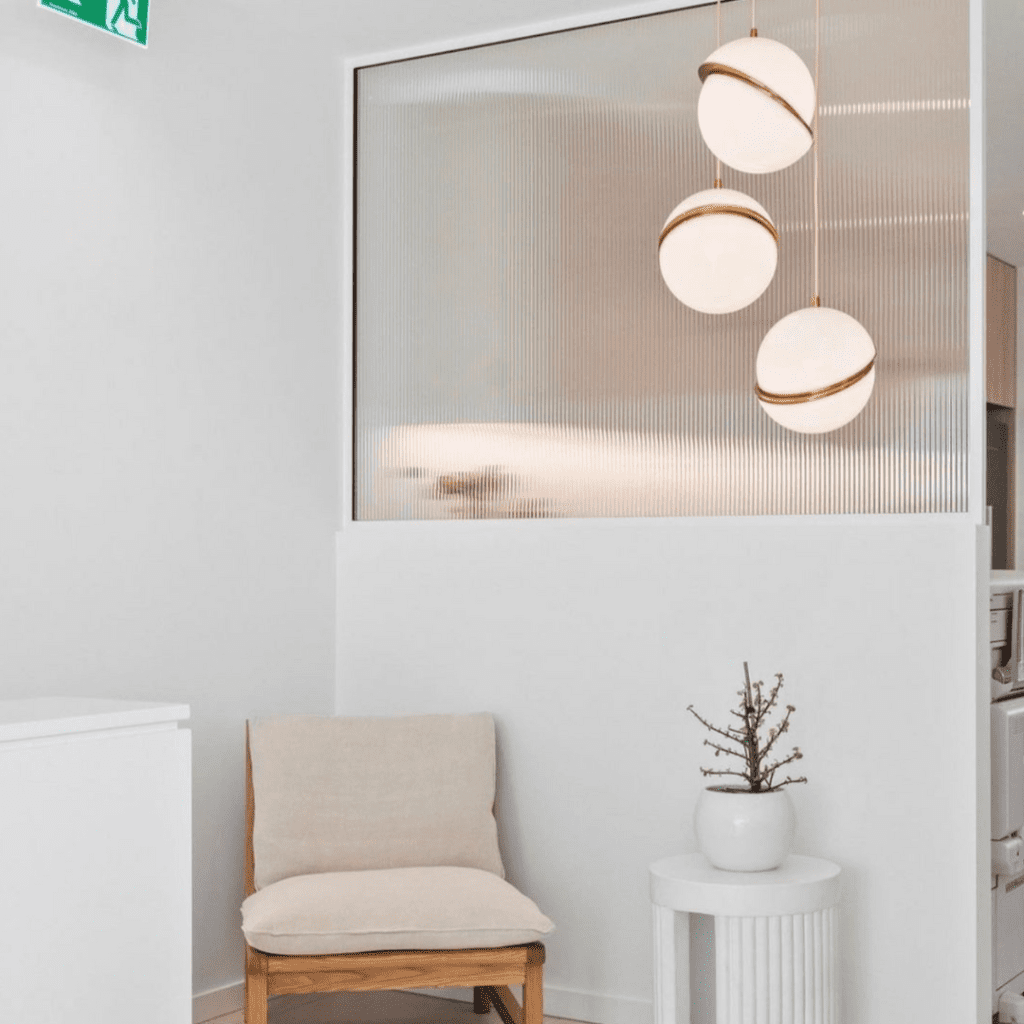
(532, 471)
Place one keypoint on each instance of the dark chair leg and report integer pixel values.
(481, 1004)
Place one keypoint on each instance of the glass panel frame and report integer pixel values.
(517, 353)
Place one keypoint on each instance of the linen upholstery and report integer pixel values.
(356, 794)
(397, 908)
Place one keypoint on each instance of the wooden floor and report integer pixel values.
(373, 1008)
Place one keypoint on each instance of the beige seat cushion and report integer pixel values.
(354, 794)
(397, 908)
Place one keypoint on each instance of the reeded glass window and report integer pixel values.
(517, 352)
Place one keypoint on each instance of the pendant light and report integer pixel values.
(756, 104)
(719, 248)
(815, 367)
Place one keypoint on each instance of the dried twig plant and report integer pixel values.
(758, 771)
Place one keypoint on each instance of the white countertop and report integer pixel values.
(60, 716)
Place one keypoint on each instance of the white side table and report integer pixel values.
(776, 939)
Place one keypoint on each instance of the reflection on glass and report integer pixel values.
(531, 471)
(517, 352)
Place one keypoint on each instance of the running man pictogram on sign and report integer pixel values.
(128, 19)
(121, 20)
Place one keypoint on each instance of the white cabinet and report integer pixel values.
(95, 862)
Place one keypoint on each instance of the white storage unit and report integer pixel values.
(95, 862)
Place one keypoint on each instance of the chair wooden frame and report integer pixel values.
(489, 972)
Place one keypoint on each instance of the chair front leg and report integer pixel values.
(533, 988)
(255, 986)
(481, 1004)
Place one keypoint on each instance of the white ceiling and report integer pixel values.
(364, 27)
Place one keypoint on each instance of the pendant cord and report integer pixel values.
(718, 43)
(817, 130)
(753, 17)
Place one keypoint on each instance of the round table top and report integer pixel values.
(799, 886)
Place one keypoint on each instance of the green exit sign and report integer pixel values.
(128, 19)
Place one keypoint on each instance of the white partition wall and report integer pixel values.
(95, 862)
(588, 638)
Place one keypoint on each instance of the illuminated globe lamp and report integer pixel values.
(815, 370)
(718, 251)
(756, 105)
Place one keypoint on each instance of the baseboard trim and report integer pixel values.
(217, 1002)
(599, 1008)
(572, 1004)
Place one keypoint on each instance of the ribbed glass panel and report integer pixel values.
(517, 352)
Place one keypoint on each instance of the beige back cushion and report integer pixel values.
(354, 794)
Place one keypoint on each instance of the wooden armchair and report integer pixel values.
(372, 862)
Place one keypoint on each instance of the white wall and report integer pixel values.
(167, 492)
(588, 639)
(167, 388)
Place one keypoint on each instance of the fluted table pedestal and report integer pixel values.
(776, 940)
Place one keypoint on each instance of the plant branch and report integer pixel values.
(753, 711)
(787, 781)
(721, 771)
(765, 706)
(723, 750)
(777, 732)
(708, 725)
(795, 756)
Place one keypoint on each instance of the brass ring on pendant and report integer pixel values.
(812, 396)
(703, 211)
(711, 68)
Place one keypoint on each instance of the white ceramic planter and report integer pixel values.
(741, 831)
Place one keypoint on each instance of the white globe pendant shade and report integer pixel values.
(815, 370)
(718, 251)
(756, 106)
